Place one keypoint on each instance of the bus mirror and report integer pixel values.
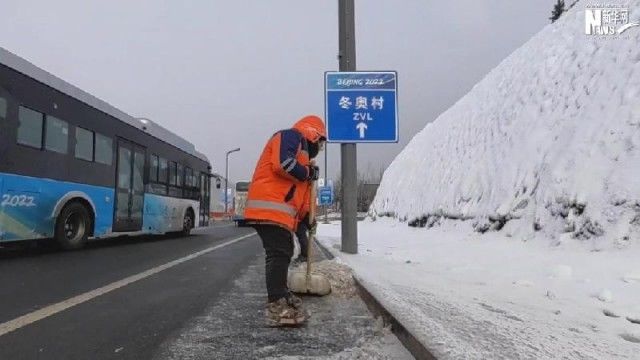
(218, 183)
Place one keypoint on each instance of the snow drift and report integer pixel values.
(548, 141)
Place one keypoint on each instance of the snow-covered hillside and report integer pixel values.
(549, 140)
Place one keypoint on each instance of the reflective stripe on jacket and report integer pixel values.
(279, 188)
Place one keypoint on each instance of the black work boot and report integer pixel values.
(294, 301)
(280, 313)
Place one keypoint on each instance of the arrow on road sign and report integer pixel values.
(362, 127)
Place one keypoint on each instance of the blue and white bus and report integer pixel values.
(240, 201)
(73, 167)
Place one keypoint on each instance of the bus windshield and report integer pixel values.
(242, 186)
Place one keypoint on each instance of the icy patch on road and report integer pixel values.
(384, 346)
(339, 327)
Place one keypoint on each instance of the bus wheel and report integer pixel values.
(72, 226)
(187, 223)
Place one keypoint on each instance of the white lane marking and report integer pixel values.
(203, 229)
(45, 312)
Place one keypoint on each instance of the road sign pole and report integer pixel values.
(348, 153)
(326, 180)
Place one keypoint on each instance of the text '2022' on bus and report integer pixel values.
(74, 167)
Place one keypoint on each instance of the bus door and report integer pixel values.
(7, 126)
(205, 182)
(129, 187)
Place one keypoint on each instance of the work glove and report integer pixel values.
(313, 172)
(313, 226)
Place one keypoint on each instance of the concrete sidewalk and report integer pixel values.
(406, 337)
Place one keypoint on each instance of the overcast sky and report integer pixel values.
(228, 74)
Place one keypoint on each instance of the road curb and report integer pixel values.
(408, 340)
(326, 252)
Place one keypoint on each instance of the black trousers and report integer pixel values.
(278, 247)
(303, 238)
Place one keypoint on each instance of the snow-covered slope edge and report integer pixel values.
(548, 140)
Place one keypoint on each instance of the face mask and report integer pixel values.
(314, 149)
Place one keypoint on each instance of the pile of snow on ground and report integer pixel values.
(548, 141)
(339, 275)
(466, 295)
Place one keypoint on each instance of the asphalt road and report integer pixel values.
(339, 328)
(165, 298)
(129, 321)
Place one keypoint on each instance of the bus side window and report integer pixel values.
(188, 177)
(158, 174)
(56, 135)
(84, 144)
(104, 149)
(153, 169)
(30, 128)
(163, 174)
(180, 173)
(3, 108)
(172, 173)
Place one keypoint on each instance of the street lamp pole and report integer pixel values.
(226, 179)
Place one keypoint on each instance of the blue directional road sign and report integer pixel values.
(325, 195)
(361, 106)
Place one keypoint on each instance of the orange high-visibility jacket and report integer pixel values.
(279, 188)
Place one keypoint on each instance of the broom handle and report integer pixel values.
(312, 235)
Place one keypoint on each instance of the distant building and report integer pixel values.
(217, 195)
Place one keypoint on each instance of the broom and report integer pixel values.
(309, 283)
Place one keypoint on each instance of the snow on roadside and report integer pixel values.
(523, 206)
(548, 140)
(469, 295)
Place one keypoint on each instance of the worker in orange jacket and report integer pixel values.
(279, 190)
